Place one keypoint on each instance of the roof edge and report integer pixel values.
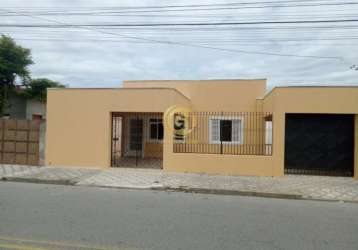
(198, 80)
(121, 89)
(306, 86)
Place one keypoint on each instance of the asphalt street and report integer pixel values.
(37, 216)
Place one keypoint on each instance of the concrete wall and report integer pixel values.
(22, 108)
(34, 107)
(213, 95)
(17, 107)
(226, 96)
(356, 147)
(324, 100)
(79, 121)
(42, 142)
(214, 163)
(330, 100)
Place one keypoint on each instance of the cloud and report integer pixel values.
(78, 58)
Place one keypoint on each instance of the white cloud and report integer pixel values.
(100, 64)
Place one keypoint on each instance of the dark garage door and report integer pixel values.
(320, 144)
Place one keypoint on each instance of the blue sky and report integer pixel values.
(80, 58)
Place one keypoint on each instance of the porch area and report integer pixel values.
(137, 140)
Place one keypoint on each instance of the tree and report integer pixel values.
(37, 88)
(14, 62)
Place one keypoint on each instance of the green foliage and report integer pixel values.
(37, 88)
(14, 62)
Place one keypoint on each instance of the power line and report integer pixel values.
(253, 43)
(313, 12)
(63, 25)
(186, 44)
(178, 8)
(189, 5)
(183, 6)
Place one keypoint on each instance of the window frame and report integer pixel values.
(225, 118)
(150, 139)
(268, 137)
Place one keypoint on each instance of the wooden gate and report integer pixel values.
(19, 142)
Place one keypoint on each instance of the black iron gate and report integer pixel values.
(136, 140)
(319, 144)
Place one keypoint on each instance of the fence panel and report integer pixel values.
(234, 133)
(19, 142)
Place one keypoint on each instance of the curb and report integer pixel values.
(231, 192)
(39, 181)
(179, 189)
(122, 187)
(249, 194)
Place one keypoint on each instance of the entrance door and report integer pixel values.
(320, 144)
(135, 137)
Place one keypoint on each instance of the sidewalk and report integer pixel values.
(291, 186)
(11, 170)
(50, 175)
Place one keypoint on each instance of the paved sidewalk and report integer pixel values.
(52, 175)
(127, 178)
(7, 170)
(291, 186)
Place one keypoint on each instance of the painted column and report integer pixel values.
(356, 147)
(278, 168)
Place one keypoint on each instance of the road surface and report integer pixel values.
(37, 216)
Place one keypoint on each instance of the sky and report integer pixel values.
(104, 56)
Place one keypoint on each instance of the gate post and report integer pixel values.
(137, 146)
(221, 142)
(355, 147)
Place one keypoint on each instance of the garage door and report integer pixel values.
(319, 144)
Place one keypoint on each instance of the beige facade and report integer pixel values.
(79, 120)
(319, 100)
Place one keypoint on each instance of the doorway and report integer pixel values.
(319, 144)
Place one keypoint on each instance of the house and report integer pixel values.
(212, 126)
(23, 108)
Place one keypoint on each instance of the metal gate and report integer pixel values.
(319, 144)
(137, 140)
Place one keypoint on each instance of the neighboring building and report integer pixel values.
(25, 109)
(16, 107)
(211, 126)
(21, 108)
(35, 110)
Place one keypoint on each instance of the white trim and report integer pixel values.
(211, 141)
(148, 129)
(231, 118)
(268, 137)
